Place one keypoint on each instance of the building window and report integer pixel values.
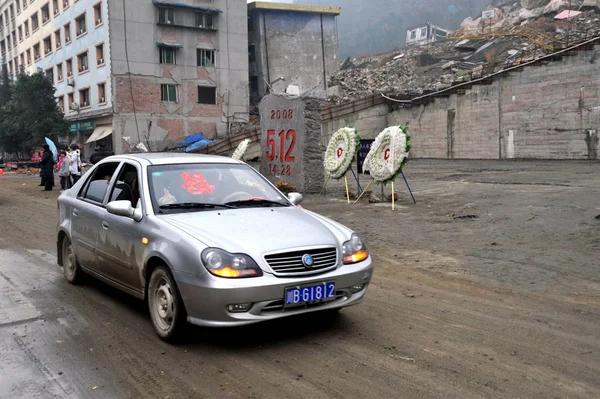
(18, 7)
(166, 15)
(59, 72)
(423, 32)
(35, 23)
(205, 58)
(204, 20)
(168, 93)
(22, 59)
(69, 68)
(167, 55)
(61, 103)
(100, 54)
(2, 47)
(207, 95)
(36, 52)
(68, 33)
(14, 38)
(84, 98)
(26, 26)
(101, 93)
(98, 14)
(45, 13)
(24, 4)
(12, 12)
(413, 34)
(71, 100)
(48, 45)
(28, 52)
(20, 30)
(55, 7)
(82, 62)
(80, 25)
(253, 84)
(252, 53)
(50, 74)
(250, 24)
(65, 4)
(57, 39)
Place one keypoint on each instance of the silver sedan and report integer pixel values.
(207, 240)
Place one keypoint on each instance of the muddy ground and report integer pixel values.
(504, 303)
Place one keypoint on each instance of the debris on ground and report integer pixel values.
(520, 32)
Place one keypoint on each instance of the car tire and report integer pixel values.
(165, 305)
(71, 267)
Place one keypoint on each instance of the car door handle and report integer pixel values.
(105, 225)
(75, 212)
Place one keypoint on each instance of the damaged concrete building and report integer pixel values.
(291, 47)
(181, 69)
(135, 71)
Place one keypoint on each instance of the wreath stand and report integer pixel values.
(393, 191)
(346, 184)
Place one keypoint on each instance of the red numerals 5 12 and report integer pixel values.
(284, 137)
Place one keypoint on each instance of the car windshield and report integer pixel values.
(202, 187)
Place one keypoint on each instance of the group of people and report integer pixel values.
(68, 167)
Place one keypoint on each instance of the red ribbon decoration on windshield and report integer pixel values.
(196, 183)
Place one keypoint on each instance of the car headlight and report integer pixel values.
(223, 264)
(354, 251)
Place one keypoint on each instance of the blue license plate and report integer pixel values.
(312, 293)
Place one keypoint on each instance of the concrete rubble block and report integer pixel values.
(531, 4)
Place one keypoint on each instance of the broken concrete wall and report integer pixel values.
(369, 122)
(545, 111)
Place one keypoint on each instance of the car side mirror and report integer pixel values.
(124, 208)
(295, 198)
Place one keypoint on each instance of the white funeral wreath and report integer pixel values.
(388, 154)
(241, 150)
(341, 150)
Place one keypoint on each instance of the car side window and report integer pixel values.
(126, 187)
(95, 188)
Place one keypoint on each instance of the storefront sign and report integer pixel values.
(81, 126)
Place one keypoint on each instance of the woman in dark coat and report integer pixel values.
(47, 169)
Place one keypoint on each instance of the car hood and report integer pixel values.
(256, 231)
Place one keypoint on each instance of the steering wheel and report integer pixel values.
(239, 195)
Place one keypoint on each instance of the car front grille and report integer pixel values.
(290, 263)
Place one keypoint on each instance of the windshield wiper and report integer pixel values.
(195, 205)
(255, 202)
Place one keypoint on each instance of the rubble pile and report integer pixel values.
(436, 66)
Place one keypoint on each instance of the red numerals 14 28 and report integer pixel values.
(285, 151)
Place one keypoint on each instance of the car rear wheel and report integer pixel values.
(70, 266)
(166, 307)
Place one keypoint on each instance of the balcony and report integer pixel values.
(186, 16)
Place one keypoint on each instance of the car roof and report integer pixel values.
(168, 158)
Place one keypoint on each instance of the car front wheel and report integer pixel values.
(165, 305)
(70, 266)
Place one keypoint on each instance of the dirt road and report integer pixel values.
(504, 303)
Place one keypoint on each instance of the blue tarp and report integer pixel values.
(199, 8)
(191, 139)
(198, 145)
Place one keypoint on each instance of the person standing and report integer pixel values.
(64, 171)
(47, 169)
(75, 163)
